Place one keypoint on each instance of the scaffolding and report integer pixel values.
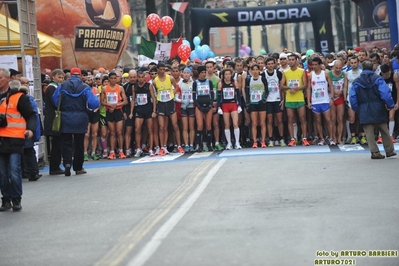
(28, 41)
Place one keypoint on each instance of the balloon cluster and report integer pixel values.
(245, 50)
(154, 23)
(201, 51)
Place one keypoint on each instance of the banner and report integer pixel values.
(374, 24)
(202, 19)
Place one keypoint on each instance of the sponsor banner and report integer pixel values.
(98, 39)
(203, 19)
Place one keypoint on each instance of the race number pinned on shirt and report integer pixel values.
(293, 83)
(256, 96)
(112, 97)
(142, 99)
(390, 86)
(165, 96)
(228, 93)
(187, 96)
(338, 84)
(203, 90)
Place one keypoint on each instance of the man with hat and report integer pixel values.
(75, 97)
(14, 74)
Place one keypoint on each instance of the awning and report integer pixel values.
(48, 46)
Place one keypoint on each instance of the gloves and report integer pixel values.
(239, 109)
(220, 111)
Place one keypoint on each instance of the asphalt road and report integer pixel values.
(221, 209)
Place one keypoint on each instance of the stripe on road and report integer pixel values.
(151, 247)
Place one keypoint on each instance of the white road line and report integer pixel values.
(151, 247)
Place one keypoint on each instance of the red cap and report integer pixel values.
(101, 69)
(357, 49)
(76, 71)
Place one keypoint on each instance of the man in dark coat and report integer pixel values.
(371, 98)
(76, 97)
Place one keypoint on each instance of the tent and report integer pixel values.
(48, 46)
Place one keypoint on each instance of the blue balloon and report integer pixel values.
(206, 48)
(201, 52)
(196, 41)
(193, 55)
(186, 43)
(211, 54)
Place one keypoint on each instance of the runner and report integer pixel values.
(203, 96)
(229, 107)
(166, 107)
(113, 97)
(143, 107)
(294, 81)
(256, 92)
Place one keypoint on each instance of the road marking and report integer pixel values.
(131, 239)
(165, 158)
(150, 248)
(197, 155)
(352, 147)
(276, 150)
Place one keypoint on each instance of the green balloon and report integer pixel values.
(262, 51)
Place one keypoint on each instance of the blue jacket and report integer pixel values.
(29, 143)
(76, 96)
(370, 96)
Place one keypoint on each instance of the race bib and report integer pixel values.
(319, 94)
(338, 85)
(273, 87)
(203, 90)
(256, 96)
(293, 83)
(165, 96)
(142, 99)
(228, 93)
(187, 96)
(112, 97)
(390, 86)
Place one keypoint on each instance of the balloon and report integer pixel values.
(211, 54)
(126, 21)
(242, 53)
(184, 52)
(248, 50)
(243, 46)
(262, 51)
(186, 42)
(206, 49)
(196, 41)
(166, 25)
(202, 52)
(193, 55)
(153, 22)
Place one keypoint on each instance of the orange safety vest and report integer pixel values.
(16, 124)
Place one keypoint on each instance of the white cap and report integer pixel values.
(283, 55)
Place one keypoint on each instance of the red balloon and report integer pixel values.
(153, 22)
(184, 52)
(166, 25)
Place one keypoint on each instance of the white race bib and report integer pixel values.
(187, 96)
(203, 90)
(142, 98)
(228, 93)
(112, 97)
(256, 96)
(165, 96)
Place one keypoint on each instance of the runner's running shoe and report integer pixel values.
(271, 144)
(282, 143)
(161, 152)
(180, 149)
(112, 156)
(263, 144)
(363, 140)
(238, 146)
(321, 142)
(151, 153)
(292, 143)
(379, 140)
(138, 153)
(85, 157)
(255, 144)
(305, 142)
(218, 147)
(121, 155)
(393, 139)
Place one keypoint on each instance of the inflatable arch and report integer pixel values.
(202, 19)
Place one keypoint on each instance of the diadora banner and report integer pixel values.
(202, 19)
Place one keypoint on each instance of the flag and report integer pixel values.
(179, 6)
(159, 51)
